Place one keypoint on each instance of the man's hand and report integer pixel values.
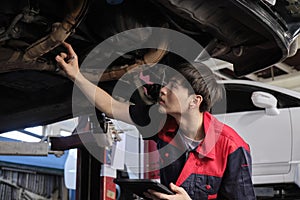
(180, 194)
(68, 62)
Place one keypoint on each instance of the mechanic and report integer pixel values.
(203, 158)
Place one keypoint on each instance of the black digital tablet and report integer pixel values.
(139, 186)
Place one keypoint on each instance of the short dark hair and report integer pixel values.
(203, 82)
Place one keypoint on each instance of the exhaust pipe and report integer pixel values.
(60, 31)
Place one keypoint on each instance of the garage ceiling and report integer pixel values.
(285, 74)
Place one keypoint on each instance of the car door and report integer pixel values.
(269, 136)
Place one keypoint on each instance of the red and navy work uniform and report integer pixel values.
(219, 168)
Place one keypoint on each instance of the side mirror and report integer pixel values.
(265, 100)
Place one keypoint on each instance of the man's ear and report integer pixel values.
(196, 101)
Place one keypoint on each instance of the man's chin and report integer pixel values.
(162, 110)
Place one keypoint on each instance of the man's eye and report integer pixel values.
(173, 85)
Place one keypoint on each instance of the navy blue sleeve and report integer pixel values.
(146, 119)
(237, 181)
(139, 114)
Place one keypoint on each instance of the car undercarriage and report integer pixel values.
(34, 91)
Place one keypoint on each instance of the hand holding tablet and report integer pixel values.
(140, 186)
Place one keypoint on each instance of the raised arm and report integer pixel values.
(102, 100)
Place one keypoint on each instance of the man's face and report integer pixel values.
(174, 97)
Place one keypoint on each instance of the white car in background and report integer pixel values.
(267, 117)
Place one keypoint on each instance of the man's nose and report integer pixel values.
(163, 90)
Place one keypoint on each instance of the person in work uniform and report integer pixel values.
(201, 157)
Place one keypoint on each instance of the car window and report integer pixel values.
(237, 98)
